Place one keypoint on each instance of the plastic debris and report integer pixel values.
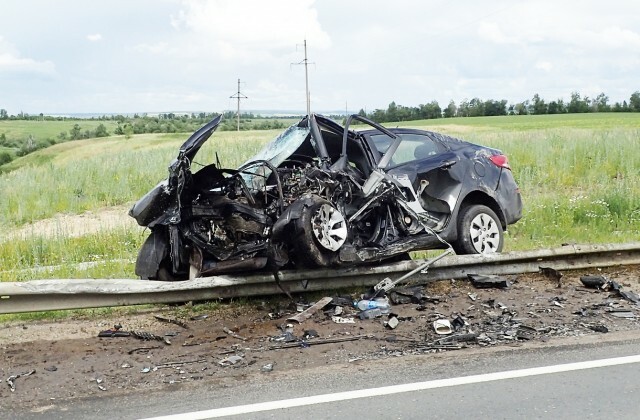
(442, 326)
(392, 323)
(342, 320)
(370, 313)
(267, 368)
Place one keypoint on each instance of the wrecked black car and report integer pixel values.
(323, 195)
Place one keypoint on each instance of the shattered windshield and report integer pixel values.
(283, 146)
(275, 152)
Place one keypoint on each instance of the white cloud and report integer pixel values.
(12, 62)
(491, 32)
(94, 37)
(544, 65)
(244, 28)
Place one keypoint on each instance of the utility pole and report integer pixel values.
(238, 96)
(306, 77)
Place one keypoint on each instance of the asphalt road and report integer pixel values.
(457, 387)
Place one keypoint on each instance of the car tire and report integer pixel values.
(320, 232)
(479, 231)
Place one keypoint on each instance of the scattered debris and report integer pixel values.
(142, 349)
(322, 341)
(342, 320)
(307, 334)
(180, 363)
(233, 334)
(598, 328)
(143, 335)
(231, 360)
(370, 313)
(392, 323)
(630, 296)
(267, 368)
(199, 317)
(596, 282)
(442, 326)
(553, 274)
(11, 380)
(308, 313)
(116, 331)
(51, 368)
(486, 281)
(387, 284)
(172, 321)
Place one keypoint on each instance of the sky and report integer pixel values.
(124, 56)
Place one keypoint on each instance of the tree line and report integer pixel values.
(183, 122)
(477, 107)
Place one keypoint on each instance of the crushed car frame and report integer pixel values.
(322, 195)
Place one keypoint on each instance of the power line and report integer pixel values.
(238, 96)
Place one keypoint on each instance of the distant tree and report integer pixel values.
(5, 157)
(476, 108)
(3, 114)
(522, 108)
(101, 131)
(76, 132)
(128, 131)
(62, 136)
(600, 103)
(539, 107)
(493, 107)
(634, 102)
(578, 104)
(392, 112)
(463, 109)
(451, 110)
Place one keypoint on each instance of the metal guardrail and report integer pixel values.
(58, 294)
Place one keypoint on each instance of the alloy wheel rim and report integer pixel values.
(485, 235)
(329, 227)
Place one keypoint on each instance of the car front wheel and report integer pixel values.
(321, 232)
(479, 231)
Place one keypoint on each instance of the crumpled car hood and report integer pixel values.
(193, 144)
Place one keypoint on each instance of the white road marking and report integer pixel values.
(397, 389)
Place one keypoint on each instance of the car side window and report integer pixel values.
(412, 147)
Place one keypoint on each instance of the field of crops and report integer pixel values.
(578, 175)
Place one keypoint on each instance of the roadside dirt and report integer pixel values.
(69, 360)
(73, 225)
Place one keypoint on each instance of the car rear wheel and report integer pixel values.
(320, 233)
(479, 231)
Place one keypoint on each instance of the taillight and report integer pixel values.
(500, 161)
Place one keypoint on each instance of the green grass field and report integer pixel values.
(578, 175)
(20, 129)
